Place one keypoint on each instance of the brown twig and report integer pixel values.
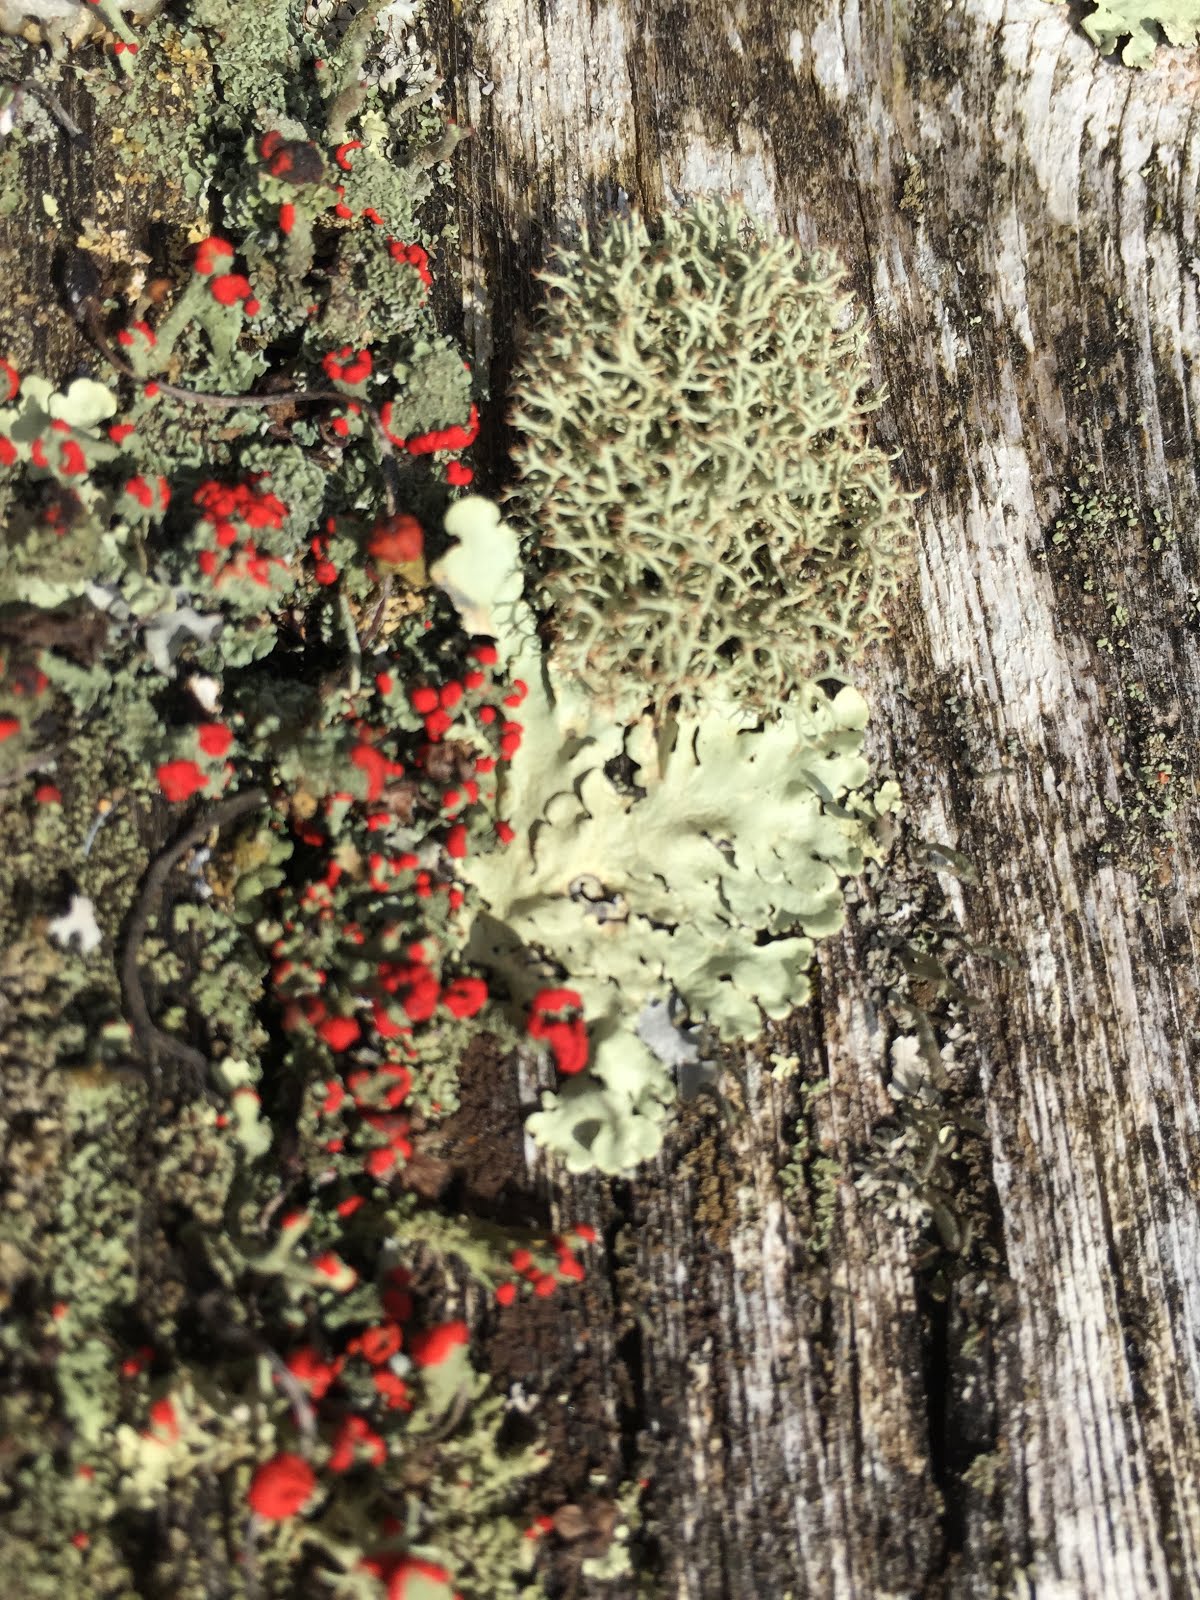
(385, 594)
(89, 311)
(92, 315)
(53, 105)
(236, 1334)
(153, 1040)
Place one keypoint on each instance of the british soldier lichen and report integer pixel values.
(244, 752)
(360, 822)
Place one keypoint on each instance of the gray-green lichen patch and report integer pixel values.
(693, 859)
(1140, 26)
(700, 501)
(1099, 537)
(1155, 769)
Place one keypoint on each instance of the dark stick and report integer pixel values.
(92, 316)
(151, 1037)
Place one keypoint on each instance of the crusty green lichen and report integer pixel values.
(1097, 534)
(926, 1168)
(811, 1177)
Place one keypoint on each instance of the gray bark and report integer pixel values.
(887, 1417)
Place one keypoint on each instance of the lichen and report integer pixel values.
(926, 1168)
(811, 1177)
(293, 827)
(212, 780)
(696, 860)
(1095, 536)
(1113, 20)
(699, 499)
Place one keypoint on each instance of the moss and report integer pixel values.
(707, 1173)
(912, 197)
(1155, 766)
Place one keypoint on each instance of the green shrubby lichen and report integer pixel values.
(700, 502)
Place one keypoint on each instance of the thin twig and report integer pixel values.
(302, 1411)
(352, 644)
(153, 1040)
(385, 594)
(53, 105)
(387, 459)
(237, 1334)
(101, 818)
(90, 312)
(93, 315)
(453, 1417)
(249, 1555)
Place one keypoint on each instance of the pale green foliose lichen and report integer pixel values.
(700, 858)
(1112, 20)
(702, 505)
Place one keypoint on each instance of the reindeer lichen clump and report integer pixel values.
(701, 502)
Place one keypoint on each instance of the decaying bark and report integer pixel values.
(1018, 216)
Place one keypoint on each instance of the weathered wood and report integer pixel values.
(1018, 216)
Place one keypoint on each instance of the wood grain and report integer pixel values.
(1018, 216)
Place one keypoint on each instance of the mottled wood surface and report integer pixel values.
(1018, 217)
